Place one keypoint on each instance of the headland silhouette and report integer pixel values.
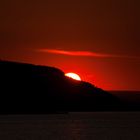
(28, 88)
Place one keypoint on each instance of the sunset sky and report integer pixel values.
(99, 40)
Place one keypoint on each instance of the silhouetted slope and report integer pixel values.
(27, 88)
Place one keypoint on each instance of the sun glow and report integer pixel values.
(73, 76)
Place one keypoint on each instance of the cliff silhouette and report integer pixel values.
(27, 88)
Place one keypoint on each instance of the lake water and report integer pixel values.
(72, 126)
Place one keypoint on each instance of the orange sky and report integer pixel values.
(99, 40)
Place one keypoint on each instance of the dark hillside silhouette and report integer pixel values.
(27, 88)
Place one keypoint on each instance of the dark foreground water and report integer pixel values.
(72, 126)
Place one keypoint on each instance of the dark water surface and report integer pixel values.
(72, 126)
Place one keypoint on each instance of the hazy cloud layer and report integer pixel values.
(85, 53)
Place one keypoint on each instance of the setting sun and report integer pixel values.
(73, 76)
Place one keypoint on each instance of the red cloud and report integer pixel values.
(75, 53)
(86, 53)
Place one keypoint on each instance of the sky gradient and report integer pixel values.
(99, 40)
